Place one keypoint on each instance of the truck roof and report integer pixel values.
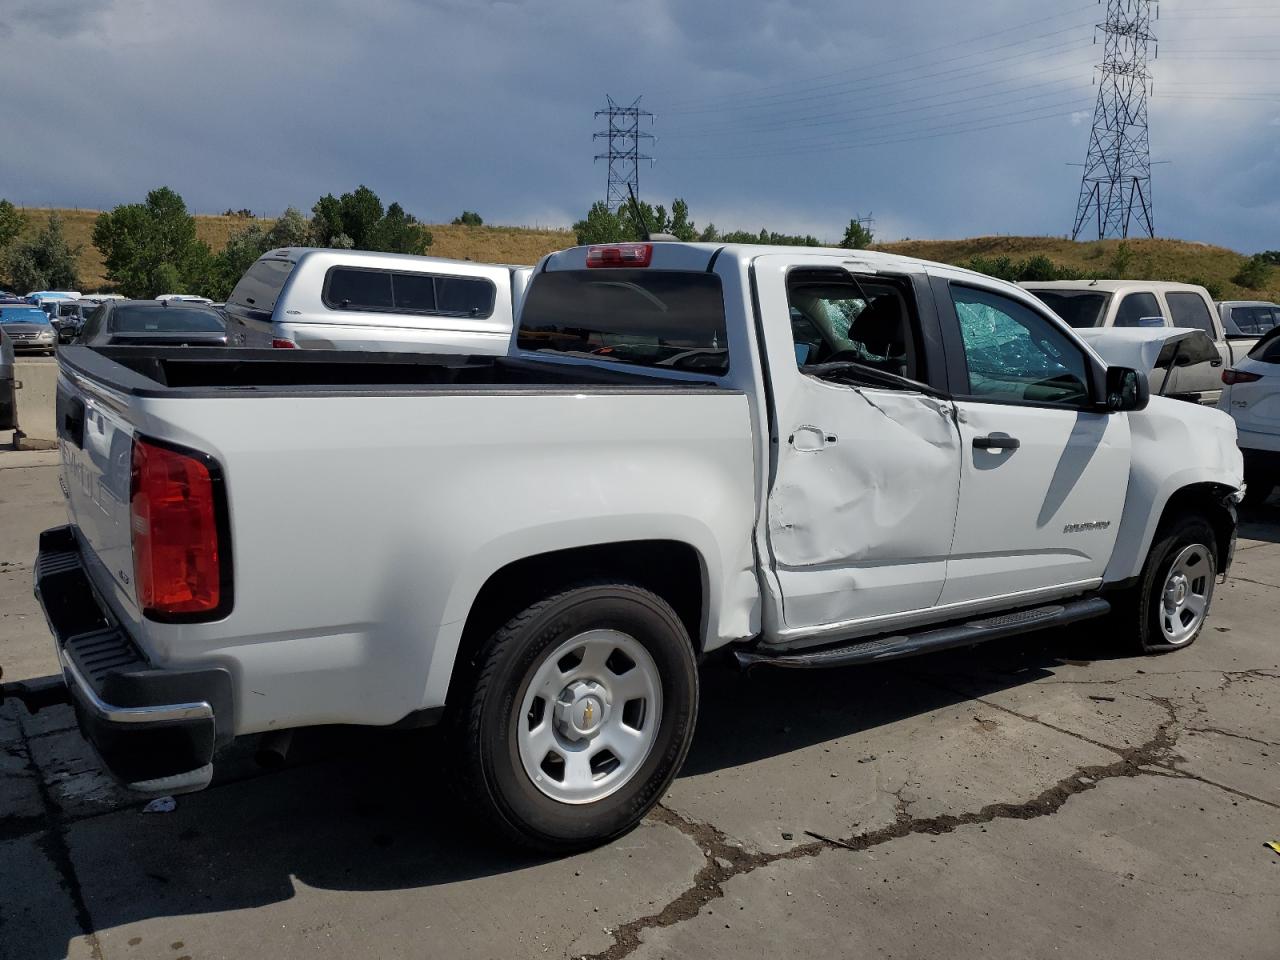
(1110, 286)
(340, 255)
(676, 255)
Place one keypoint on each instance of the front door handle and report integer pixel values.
(996, 441)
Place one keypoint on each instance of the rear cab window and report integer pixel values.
(260, 287)
(1080, 308)
(669, 319)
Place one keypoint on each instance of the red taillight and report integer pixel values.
(177, 560)
(620, 255)
(282, 344)
(1232, 377)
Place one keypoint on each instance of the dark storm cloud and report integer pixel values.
(944, 119)
(53, 18)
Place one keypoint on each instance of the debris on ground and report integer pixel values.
(161, 805)
(1101, 699)
(1273, 844)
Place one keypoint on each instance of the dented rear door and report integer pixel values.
(865, 482)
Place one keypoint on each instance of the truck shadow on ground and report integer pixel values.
(359, 810)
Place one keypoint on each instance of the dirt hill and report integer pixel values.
(1150, 259)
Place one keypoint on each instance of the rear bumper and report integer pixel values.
(156, 730)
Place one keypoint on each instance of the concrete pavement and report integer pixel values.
(1044, 796)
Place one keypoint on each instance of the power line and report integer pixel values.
(807, 83)
(859, 85)
(623, 137)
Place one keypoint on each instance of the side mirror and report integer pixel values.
(1127, 389)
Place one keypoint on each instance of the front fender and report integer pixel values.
(1176, 445)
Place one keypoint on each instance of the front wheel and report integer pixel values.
(1169, 606)
(580, 715)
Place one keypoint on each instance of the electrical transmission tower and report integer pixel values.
(624, 138)
(1116, 187)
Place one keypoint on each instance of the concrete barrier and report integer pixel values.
(36, 399)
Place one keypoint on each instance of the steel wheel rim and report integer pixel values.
(589, 717)
(1184, 599)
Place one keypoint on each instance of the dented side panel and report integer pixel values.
(862, 510)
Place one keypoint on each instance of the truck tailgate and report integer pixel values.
(95, 439)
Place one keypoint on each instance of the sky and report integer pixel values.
(941, 119)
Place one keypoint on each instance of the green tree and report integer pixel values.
(44, 262)
(290, 230)
(468, 218)
(1254, 273)
(709, 234)
(399, 232)
(599, 226)
(857, 236)
(681, 227)
(358, 220)
(12, 222)
(1122, 260)
(151, 248)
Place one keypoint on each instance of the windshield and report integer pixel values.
(157, 319)
(1080, 308)
(23, 315)
(652, 318)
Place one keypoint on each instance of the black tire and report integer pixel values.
(485, 727)
(1137, 612)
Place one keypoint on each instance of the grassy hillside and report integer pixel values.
(1151, 259)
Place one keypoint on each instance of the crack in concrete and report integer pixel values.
(1229, 733)
(726, 860)
(53, 843)
(708, 883)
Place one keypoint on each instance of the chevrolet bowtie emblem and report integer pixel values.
(587, 712)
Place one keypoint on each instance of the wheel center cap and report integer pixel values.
(582, 709)
(1175, 594)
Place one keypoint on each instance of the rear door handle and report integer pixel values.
(996, 442)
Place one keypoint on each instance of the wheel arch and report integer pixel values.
(673, 569)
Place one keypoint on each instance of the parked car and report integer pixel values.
(183, 298)
(356, 300)
(1252, 396)
(1146, 303)
(153, 323)
(71, 315)
(28, 327)
(1248, 318)
(815, 458)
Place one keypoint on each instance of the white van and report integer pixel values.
(360, 300)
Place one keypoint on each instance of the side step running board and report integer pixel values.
(940, 638)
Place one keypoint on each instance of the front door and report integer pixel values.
(1044, 475)
(863, 496)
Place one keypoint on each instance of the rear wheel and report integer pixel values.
(580, 715)
(1169, 606)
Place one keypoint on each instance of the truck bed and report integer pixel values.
(177, 371)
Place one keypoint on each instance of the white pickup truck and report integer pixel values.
(1118, 304)
(812, 458)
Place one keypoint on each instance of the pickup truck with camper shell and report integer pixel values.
(805, 457)
(1108, 304)
(325, 299)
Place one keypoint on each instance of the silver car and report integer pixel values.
(28, 328)
(1248, 318)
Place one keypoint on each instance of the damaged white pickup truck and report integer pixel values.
(813, 457)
